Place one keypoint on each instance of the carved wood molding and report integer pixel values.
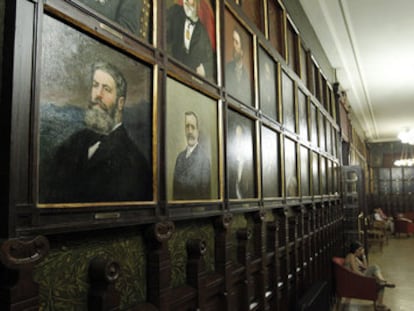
(16, 253)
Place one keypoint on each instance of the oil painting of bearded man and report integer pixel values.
(100, 162)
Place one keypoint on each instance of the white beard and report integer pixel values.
(99, 120)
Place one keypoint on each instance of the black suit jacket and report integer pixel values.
(192, 179)
(116, 172)
(200, 51)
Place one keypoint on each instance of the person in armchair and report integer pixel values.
(356, 261)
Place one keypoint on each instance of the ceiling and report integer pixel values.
(370, 43)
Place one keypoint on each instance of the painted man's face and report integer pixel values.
(191, 130)
(237, 46)
(103, 106)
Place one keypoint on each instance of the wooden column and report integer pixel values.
(18, 290)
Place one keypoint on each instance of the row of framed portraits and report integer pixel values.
(116, 133)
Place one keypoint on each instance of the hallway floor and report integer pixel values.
(397, 263)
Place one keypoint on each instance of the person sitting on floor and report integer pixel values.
(356, 261)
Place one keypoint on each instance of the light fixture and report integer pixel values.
(407, 140)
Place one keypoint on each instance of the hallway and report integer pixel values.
(397, 263)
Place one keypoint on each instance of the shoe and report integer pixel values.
(386, 284)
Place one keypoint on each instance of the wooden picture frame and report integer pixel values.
(192, 144)
(304, 171)
(83, 159)
(270, 163)
(131, 16)
(191, 35)
(303, 115)
(241, 157)
(291, 172)
(238, 60)
(268, 81)
(288, 102)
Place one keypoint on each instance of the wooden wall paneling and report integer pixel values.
(159, 264)
(241, 273)
(271, 265)
(282, 293)
(102, 295)
(18, 290)
(258, 270)
(222, 253)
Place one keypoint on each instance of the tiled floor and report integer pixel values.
(397, 263)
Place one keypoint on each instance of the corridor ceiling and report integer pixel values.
(370, 43)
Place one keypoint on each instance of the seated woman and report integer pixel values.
(357, 262)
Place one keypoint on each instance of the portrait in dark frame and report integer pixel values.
(288, 102)
(315, 174)
(240, 157)
(314, 124)
(133, 15)
(304, 171)
(270, 163)
(268, 84)
(303, 115)
(291, 180)
(191, 35)
(238, 60)
(192, 144)
(95, 110)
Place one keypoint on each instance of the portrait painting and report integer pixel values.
(323, 175)
(276, 26)
(95, 121)
(253, 9)
(321, 130)
(303, 115)
(191, 35)
(270, 163)
(315, 174)
(191, 145)
(268, 84)
(238, 60)
(329, 141)
(304, 171)
(288, 102)
(241, 162)
(291, 180)
(314, 125)
(133, 16)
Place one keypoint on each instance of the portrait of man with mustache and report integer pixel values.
(192, 178)
(100, 163)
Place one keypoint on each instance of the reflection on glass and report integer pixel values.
(270, 162)
(240, 157)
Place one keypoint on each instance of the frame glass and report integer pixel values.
(321, 131)
(270, 163)
(238, 60)
(315, 174)
(268, 84)
(241, 161)
(254, 11)
(192, 144)
(95, 122)
(304, 171)
(134, 16)
(291, 180)
(303, 115)
(288, 102)
(191, 35)
(276, 26)
(314, 124)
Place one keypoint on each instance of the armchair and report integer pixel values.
(403, 225)
(349, 284)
